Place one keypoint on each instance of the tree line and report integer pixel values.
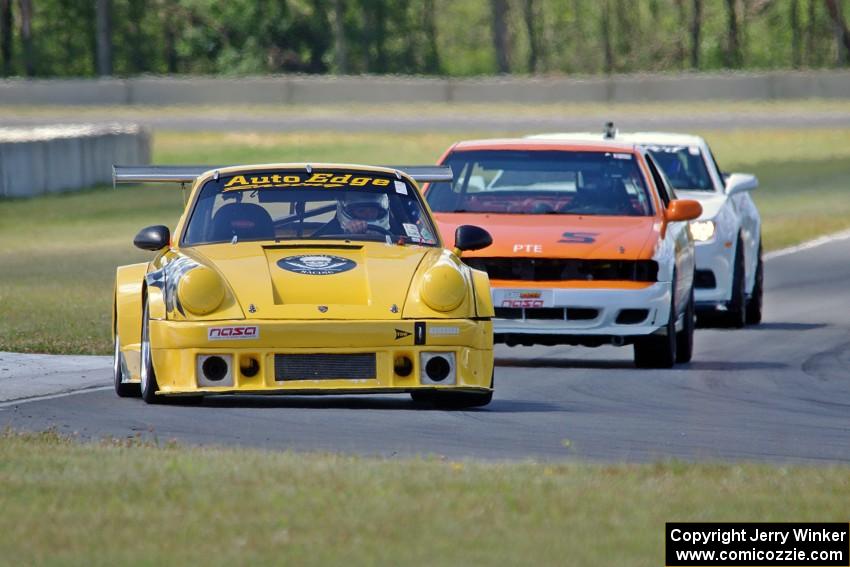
(55, 38)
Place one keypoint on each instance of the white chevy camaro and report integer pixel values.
(729, 276)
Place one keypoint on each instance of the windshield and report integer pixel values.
(683, 166)
(315, 205)
(542, 182)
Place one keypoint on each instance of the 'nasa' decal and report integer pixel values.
(225, 333)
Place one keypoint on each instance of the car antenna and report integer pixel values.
(609, 133)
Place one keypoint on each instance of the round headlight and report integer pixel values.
(443, 287)
(200, 290)
(702, 231)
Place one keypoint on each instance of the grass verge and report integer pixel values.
(59, 252)
(118, 503)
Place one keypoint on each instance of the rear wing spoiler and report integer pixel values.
(188, 173)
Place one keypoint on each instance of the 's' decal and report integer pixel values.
(578, 237)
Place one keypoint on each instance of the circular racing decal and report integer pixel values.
(316, 264)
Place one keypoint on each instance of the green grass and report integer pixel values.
(58, 264)
(117, 503)
(804, 178)
(59, 252)
(244, 147)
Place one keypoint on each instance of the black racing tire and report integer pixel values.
(755, 302)
(149, 386)
(122, 389)
(685, 337)
(181, 400)
(736, 310)
(454, 400)
(659, 351)
(463, 400)
(704, 319)
(423, 396)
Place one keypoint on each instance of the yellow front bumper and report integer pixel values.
(179, 346)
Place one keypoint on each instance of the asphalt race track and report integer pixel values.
(776, 392)
(235, 119)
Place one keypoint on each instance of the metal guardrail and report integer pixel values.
(35, 161)
(307, 89)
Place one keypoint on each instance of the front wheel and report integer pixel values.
(736, 313)
(659, 351)
(452, 400)
(447, 399)
(149, 386)
(754, 304)
(685, 337)
(123, 388)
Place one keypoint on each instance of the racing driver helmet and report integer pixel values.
(373, 208)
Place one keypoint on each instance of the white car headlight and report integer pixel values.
(702, 231)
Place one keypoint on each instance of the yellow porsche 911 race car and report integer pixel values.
(303, 279)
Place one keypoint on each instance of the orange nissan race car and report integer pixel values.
(590, 244)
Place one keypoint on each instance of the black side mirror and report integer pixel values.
(153, 238)
(469, 237)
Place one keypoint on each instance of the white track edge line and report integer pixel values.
(809, 244)
(19, 401)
